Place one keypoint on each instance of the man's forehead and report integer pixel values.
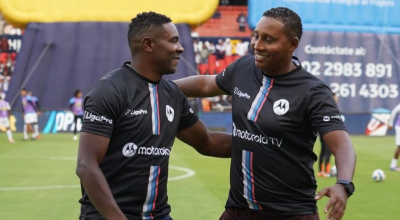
(265, 23)
(170, 28)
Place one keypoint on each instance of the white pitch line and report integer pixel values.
(38, 187)
(188, 174)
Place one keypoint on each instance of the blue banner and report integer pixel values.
(377, 16)
(362, 68)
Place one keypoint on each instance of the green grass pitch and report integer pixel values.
(38, 181)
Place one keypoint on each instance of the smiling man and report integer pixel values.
(132, 116)
(275, 126)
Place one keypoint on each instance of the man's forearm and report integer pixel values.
(99, 192)
(199, 86)
(220, 146)
(345, 159)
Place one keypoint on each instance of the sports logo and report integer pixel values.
(281, 106)
(326, 118)
(92, 117)
(129, 149)
(135, 112)
(240, 93)
(170, 113)
(259, 138)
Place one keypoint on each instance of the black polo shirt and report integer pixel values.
(141, 118)
(275, 124)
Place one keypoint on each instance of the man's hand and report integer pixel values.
(390, 127)
(337, 202)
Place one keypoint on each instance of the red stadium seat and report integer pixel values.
(203, 68)
(211, 63)
(229, 59)
(221, 65)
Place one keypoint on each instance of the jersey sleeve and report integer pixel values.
(71, 101)
(322, 111)
(102, 107)
(188, 118)
(223, 79)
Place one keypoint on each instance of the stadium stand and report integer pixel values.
(224, 23)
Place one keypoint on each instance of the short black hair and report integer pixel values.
(76, 92)
(144, 22)
(290, 19)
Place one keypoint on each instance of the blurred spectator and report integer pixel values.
(4, 80)
(2, 94)
(216, 15)
(242, 47)
(212, 48)
(4, 45)
(204, 54)
(196, 49)
(220, 49)
(10, 30)
(228, 47)
(242, 20)
(222, 104)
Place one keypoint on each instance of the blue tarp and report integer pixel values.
(58, 58)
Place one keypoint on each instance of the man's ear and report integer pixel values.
(148, 44)
(294, 44)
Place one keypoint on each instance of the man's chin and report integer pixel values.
(170, 72)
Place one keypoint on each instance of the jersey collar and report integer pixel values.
(296, 62)
(131, 69)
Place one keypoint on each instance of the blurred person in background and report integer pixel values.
(242, 21)
(393, 115)
(75, 104)
(30, 115)
(5, 112)
(220, 49)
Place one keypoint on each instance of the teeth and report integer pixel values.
(260, 56)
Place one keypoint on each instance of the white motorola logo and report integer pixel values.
(281, 106)
(326, 118)
(170, 113)
(129, 149)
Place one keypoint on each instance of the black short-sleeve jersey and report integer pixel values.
(275, 125)
(141, 118)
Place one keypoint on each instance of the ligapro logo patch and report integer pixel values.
(92, 117)
(131, 149)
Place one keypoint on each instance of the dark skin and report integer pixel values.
(155, 54)
(273, 50)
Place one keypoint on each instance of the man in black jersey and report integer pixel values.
(278, 108)
(132, 116)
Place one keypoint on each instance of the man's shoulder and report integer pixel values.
(170, 86)
(243, 62)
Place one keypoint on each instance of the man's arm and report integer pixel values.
(199, 86)
(216, 144)
(92, 149)
(341, 147)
